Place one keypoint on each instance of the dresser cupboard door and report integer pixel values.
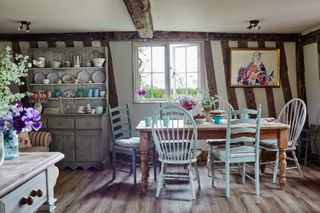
(63, 141)
(88, 145)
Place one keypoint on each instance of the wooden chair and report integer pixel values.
(308, 138)
(235, 150)
(294, 114)
(213, 143)
(123, 142)
(175, 144)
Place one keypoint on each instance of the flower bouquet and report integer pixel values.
(141, 93)
(186, 102)
(14, 120)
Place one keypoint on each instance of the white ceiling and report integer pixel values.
(55, 16)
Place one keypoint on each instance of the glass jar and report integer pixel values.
(11, 145)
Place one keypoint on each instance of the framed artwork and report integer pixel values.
(255, 67)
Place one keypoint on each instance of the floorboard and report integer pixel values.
(91, 191)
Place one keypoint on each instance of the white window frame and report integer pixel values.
(201, 73)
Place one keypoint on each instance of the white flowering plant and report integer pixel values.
(12, 69)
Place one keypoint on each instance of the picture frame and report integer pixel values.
(254, 67)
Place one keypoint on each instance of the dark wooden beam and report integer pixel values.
(248, 91)
(158, 35)
(212, 84)
(284, 75)
(140, 12)
(310, 38)
(269, 92)
(232, 97)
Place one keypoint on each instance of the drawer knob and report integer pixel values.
(36, 193)
(26, 201)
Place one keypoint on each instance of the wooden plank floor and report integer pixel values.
(90, 191)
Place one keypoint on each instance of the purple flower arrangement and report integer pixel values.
(20, 119)
(141, 92)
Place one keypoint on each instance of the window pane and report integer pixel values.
(145, 80)
(180, 59)
(144, 59)
(158, 59)
(192, 80)
(180, 81)
(158, 89)
(192, 59)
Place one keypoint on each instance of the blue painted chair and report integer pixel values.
(242, 145)
(176, 144)
(123, 143)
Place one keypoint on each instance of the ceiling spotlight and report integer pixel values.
(24, 25)
(253, 24)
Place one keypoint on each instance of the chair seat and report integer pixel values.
(272, 143)
(236, 152)
(128, 142)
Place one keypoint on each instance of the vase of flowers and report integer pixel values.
(188, 103)
(15, 120)
(141, 93)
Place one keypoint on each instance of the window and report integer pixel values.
(166, 70)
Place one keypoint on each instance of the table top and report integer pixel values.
(15, 172)
(265, 124)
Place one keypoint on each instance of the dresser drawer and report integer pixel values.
(88, 123)
(12, 201)
(60, 123)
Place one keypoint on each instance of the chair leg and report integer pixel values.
(227, 179)
(257, 177)
(114, 164)
(197, 174)
(243, 173)
(306, 154)
(154, 161)
(191, 182)
(297, 163)
(275, 168)
(160, 180)
(134, 166)
(212, 171)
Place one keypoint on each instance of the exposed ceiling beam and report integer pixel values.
(140, 12)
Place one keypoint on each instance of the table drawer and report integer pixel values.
(12, 201)
(88, 123)
(60, 123)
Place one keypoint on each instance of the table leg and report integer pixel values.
(262, 157)
(283, 144)
(145, 138)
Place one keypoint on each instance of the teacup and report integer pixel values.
(80, 109)
(46, 81)
(102, 93)
(147, 121)
(165, 120)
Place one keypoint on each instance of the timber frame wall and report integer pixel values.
(242, 40)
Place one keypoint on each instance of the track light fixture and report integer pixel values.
(24, 25)
(253, 24)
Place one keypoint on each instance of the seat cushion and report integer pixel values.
(128, 142)
(35, 149)
(236, 152)
(272, 143)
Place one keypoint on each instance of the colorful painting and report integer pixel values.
(258, 67)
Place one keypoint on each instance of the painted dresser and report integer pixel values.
(26, 183)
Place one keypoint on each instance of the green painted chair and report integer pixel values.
(175, 139)
(123, 143)
(239, 148)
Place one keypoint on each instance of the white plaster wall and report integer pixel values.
(312, 82)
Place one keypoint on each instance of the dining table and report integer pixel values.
(210, 130)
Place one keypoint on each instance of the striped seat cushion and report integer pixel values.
(128, 142)
(236, 152)
(40, 138)
(272, 143)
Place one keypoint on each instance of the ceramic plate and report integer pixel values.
(38, 78)
(84, 77)
(68, 79)
(98, 77)
(53, 77)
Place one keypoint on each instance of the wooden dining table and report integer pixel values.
(209, 130)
